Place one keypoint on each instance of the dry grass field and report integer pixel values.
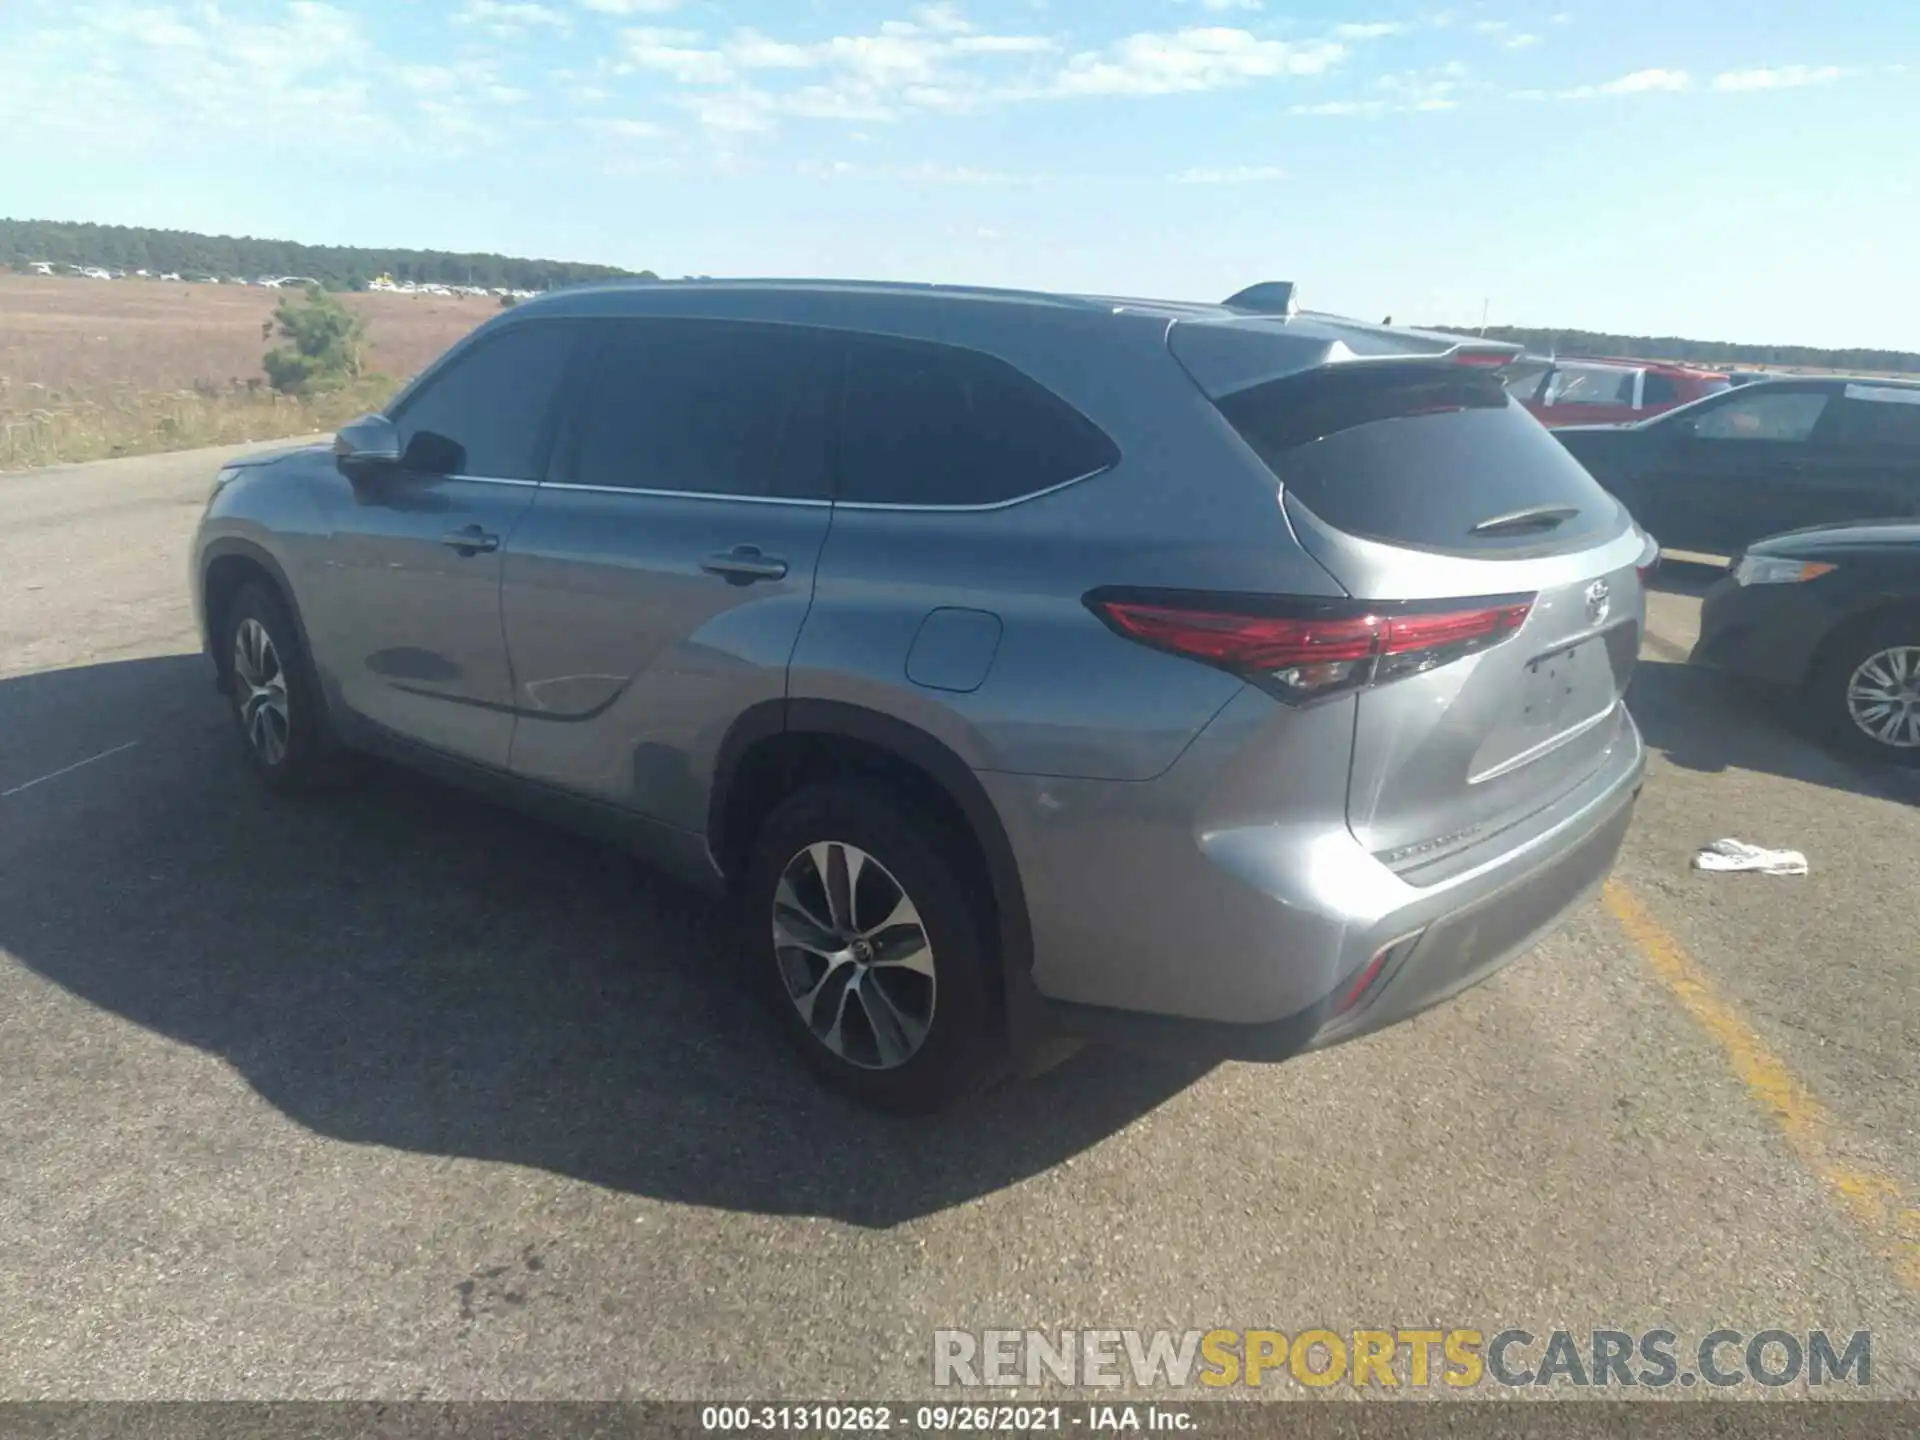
(94, 368)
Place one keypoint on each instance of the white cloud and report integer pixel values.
(1639, 82)
(1194, 59)
(1230, 175)
(941, 19)
(126, 78)
(1221, 6)
(751, 50)
(632, 7)
(923, 173)
(676, 54)
(1341, 107)
(623, 129)
(1003, 45)
(1785, 77)
(511, 19)
(743, 111)
(1523, 41)
(1376, 30)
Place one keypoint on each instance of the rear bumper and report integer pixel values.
(1280, 922)
(1764, 632)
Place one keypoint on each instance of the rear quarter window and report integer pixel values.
(1420, 454)
(925, 424)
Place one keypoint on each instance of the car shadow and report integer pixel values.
(1701, 719)
(399, 964)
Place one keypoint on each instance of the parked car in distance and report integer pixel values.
(1833, 612)
(1189, 677)
(1775, 455)
(1606, 392)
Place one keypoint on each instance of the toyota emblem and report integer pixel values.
(1599, 601)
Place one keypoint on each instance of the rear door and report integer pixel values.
(1873, 435)
(1720, 476)
(1423, 487)
(657, 586)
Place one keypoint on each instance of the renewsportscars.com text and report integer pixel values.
(1456, 1358)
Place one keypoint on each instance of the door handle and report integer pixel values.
(470, 540)
(743, 565)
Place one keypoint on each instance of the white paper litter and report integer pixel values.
(1738, 855)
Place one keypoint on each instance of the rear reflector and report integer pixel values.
(1310, 652)
(1363, 983)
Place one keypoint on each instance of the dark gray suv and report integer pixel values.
(1185, 676)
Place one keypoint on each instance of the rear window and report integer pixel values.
(1422, 455)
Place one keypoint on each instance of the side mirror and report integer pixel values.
(366, 445)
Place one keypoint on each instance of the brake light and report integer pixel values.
(1482, 359)
(1316, 649)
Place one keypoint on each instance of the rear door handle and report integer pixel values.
(470, 540)
(743, 565)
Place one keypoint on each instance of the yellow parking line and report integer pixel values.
(1875, 1201)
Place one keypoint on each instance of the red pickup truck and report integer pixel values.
(1598, 391)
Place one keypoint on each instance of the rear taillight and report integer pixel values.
(1300, 649)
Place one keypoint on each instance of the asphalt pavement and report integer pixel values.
(393, 1094)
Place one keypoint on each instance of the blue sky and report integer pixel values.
(1702, 169)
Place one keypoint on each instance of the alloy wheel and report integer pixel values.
(1883, 696)
(854, 955)
(260, 691)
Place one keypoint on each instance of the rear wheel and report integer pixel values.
(1866, 691)
(862, 931)
(275, 700)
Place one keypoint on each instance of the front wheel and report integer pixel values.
(871, 944)
(1866, 692)
(275, 700)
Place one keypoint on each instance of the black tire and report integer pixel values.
(300, 754)
(1827, 691)
(960, 1049)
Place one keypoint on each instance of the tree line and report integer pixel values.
(337, 267)
(1719, 353)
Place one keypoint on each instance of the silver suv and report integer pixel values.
(1211, 677)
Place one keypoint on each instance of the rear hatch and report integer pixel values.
(1432, 495)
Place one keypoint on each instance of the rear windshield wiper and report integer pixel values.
(1539, 517)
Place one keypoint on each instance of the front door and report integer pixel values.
(656, 589)
(414, 559)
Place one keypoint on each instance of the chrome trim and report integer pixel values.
(1527, 757)
(491, 480)
(790, 499)
(684, 494)
(965, 509)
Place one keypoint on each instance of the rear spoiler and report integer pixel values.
(1224, 357)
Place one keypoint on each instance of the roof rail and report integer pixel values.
(1269, 297)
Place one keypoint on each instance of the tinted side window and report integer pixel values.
(1893, 421)
(486, 412)
(935, 425)
(1762, 415)
(1659, 390)
(704, 407)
